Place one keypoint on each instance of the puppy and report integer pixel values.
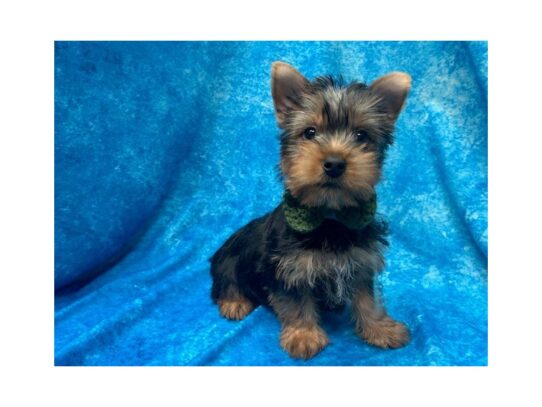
(322, 246)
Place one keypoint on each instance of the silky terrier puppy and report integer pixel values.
(322, 246)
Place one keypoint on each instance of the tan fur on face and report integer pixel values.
(302, 160)
(305, 175)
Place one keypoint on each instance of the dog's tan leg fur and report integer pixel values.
(374, 325)
(235, 306)
(301, 335)
(303, 341)
(235, 309)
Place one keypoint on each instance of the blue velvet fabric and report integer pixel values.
(163, 149)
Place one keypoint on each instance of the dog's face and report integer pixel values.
(334, 136)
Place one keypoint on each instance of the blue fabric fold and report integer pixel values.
(163, 149)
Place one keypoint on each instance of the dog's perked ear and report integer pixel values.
(287, 86)
(392, 89)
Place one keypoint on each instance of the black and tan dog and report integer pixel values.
(322, 246)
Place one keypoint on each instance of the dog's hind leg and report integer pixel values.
(227, 294)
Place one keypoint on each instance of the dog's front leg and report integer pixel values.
(373, 323)
(301, 335)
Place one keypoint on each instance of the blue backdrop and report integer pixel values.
(163, 149)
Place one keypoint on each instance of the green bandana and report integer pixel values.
(304, 219)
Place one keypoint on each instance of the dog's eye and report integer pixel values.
(309, 133)
(361, 135)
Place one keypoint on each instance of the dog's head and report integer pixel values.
(335, 135)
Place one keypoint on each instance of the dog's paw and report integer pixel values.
(303, 342)
(235, 309)
(385, 333)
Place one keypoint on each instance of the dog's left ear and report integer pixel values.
(393, 89)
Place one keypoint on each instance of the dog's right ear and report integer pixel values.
(287, 85)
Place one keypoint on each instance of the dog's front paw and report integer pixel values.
(385, 333)
(303, 342)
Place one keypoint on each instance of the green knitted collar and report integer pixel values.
(304, 219)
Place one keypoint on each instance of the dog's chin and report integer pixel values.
(330, 185)
(332, 195)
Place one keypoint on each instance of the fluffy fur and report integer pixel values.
(298, 274)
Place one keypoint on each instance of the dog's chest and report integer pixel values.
(329, 272)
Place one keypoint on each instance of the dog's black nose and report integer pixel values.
(334, 166)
